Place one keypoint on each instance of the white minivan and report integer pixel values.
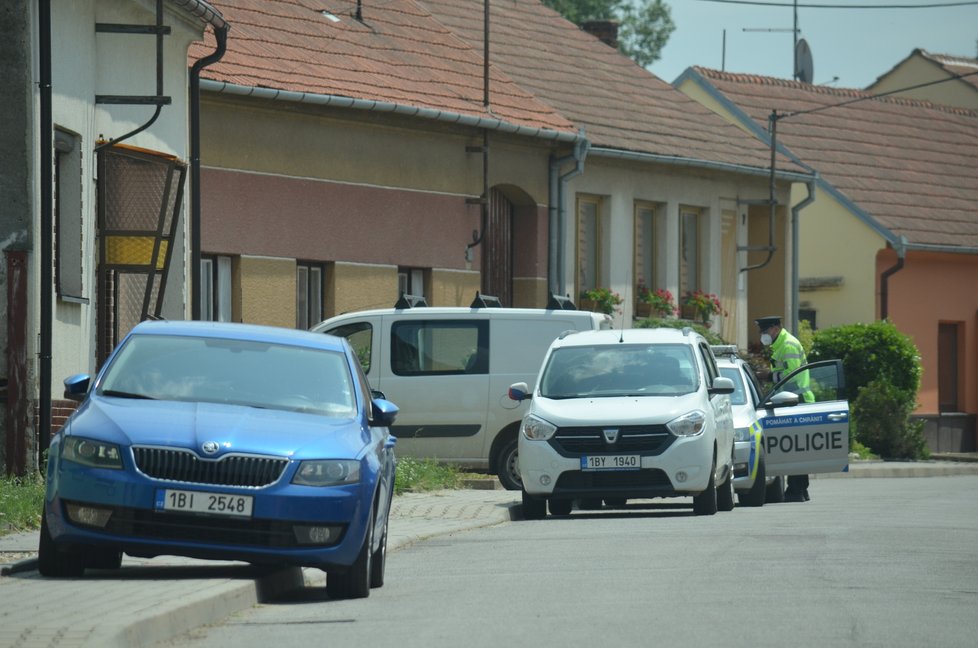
(449, 369)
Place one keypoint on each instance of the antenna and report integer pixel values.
(804, 68)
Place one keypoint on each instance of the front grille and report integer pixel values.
(151, 525)
(182, 465)
(644, 439)
(647, 481)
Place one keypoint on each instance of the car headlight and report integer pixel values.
(327, 472)
(537, 429)
(89, 452)
(687, 425)
(742, 434)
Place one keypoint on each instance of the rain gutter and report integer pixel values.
(675, 160)
(558, 209)
(795, 253)
(338, 101)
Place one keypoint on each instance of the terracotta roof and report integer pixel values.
(909, 165)
(397, 54)
(620, 104)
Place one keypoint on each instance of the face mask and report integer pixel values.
(766, 339)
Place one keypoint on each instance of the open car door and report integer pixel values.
(803, 438)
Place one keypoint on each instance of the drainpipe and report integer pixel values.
(221, 34)
(901, 250)
(47, 227)
(557, 209)
(770, 248)
(795, 210)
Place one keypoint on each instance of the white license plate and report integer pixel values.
(201, 502)
(611, 462)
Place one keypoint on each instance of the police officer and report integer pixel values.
(787, 355)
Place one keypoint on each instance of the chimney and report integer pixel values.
(605, 31)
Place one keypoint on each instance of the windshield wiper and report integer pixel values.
(122, 394)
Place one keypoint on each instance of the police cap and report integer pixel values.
(764, 323)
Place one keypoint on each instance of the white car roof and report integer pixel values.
(628, 336)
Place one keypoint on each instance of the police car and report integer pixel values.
(777, 434)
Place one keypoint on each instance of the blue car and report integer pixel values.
(224, 442)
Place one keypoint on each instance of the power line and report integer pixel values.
(875, 96)
(820, 5)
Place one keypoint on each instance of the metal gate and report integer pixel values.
(497, 258)
(139, 199)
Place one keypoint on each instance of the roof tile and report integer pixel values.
(909, 164)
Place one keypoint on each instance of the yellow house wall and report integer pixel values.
(917, 70)
(365, 148)
(453, 288)
(356, 286)
(833, 242)
(265, 291)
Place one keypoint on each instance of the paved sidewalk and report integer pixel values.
(148, 601)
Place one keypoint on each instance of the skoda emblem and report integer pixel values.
(210, 447)
(610, 435)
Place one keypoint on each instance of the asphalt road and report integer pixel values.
(868, 562)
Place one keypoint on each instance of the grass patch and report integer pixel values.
(418, 475)
(861, 451)
(20, 503)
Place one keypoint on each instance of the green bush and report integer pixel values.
(881, 415)
(882, 371)
(869, 352)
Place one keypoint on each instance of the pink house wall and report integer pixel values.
(929, 290)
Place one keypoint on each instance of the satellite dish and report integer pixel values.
(804, 70)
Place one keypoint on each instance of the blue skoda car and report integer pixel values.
(226, 442)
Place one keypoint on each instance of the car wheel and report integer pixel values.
(725, 494)
(706, 502)
(757, 493)
(54, 560)
(534, 508)
(355, 581)
(775, 491)
(590, 504)
(378, 561)
(560, 506)
(509, 466)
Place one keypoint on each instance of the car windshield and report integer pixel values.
(619, 370)
(739, 396)
(237, 372)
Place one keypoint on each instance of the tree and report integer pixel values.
(645, 25)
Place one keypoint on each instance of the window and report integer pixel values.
(360, 335)
(308, 294)
(215, 288)
(689, 241)
(68, 216)
(443, 347)
(411, 281)
(644, 260)
(588, 244)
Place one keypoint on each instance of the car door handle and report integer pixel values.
(837, 417)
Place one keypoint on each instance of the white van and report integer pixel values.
(449, 369)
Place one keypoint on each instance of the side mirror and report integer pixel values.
(722, 385)
(519, 392)
(376, 393)
(384, 412)
(782, 399)
(76, 387)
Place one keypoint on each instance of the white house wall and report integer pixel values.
(621, 184)
(85, 64)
